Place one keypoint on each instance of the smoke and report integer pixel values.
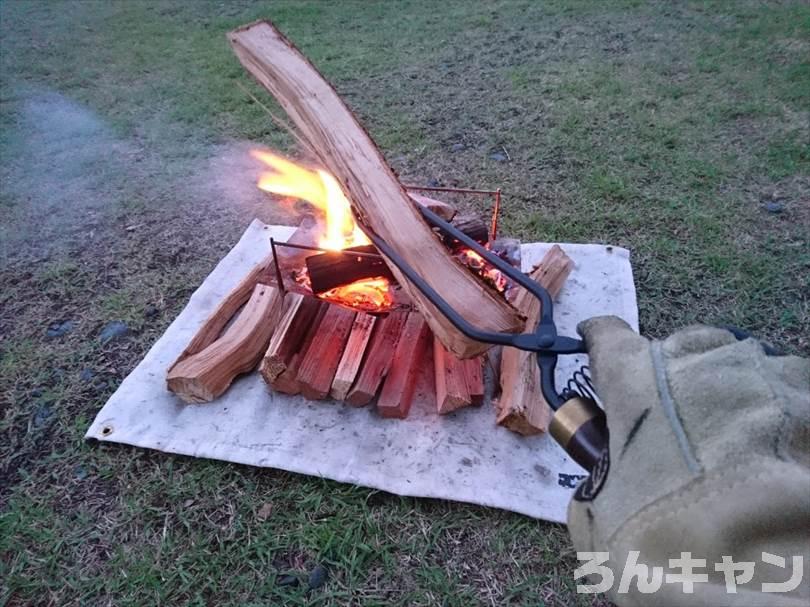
(59, 166)
(66, 177)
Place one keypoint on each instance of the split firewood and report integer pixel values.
(378, 360)
(298, 316)
(287, 381)
(262, 272)
(204, 376)
(333, 269)
(352, 355)
(442, 209)
(346, 151)
(318, 366)
(521, 406)
(400, 383)
(452, 391)
(474, 375)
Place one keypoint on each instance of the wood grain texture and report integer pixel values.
(521, 406)
(349, 154)
(451, 380)
(204, 376)
(474, 376)
(353, 354)
(299, 313)
(320, 362)
(287, 381)
(397, 392)
(377, 362)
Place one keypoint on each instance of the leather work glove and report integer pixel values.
(709, 454)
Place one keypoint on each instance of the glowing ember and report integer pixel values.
(368, 295)
(483, 269)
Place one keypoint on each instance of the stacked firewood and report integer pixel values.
(309, 347)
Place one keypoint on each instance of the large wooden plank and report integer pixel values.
(378, 360)
(352, 355)
(397, 392)
(521, 406)
(317, 369)
(348, 153)
(204, 376)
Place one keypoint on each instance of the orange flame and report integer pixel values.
(318, 188)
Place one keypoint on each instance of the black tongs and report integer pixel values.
(578, 423)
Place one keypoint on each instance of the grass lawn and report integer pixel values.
(677, 130)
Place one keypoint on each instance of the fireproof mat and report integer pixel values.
(463, 456)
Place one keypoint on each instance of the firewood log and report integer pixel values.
(521, 406)
(400, 383)
(378, 361)
(452, 391)
(348, 153)
(204, 376)
(318, 366)
(261, 272)
(353, 355)
(289, 335)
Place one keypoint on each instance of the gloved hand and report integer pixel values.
(709, 454)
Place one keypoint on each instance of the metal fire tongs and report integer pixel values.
(578, 424)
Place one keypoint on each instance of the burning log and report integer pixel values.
(333, 269)
(352, 158)
(203, 376)
(352, 355)
(521, 407)
(397, 391)
(378, 361)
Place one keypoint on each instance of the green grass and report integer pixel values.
(662, 127)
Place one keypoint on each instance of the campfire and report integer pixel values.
(325, 315)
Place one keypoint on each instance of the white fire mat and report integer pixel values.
(463, 456)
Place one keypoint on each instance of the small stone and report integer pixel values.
(434, 183)
(80, 472)
(151, 311)
(499, 156)
(288, 580)
(42, 414)
(58, 329)
(265, 511)
(86, 375)
(458, 147)
(773, 206)
(113, 330)
(317, 577)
